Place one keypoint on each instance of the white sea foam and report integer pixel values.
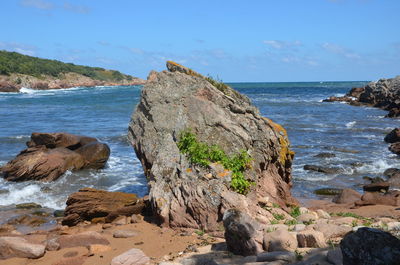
(350, 124)
(26, 90)
(377, 166)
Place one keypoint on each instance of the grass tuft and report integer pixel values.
(203, 154)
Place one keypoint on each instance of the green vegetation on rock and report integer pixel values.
(203, 154)
(13, 62)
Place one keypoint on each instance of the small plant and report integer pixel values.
(299, 256)
(218, 84)
(291, 222)
(200, 232)
(203, 154)
(278, 216)
(274, 222)
(295, 212)
(354, 223)
(310, 222)
(348, 215)
(367, 223)
(275, 205)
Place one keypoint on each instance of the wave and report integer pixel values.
(350, 124)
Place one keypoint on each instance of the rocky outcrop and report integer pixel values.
(49, 155)
(370, 246)
(184, 194)
(89, 203)
(14, 82)
(382, 94)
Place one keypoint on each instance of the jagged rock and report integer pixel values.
(393, 136)
(19, 247)
(133, 256)
(370, 246)
(242, 233)
(49, 155)
(326, 170)
(347, 196)
(89, 203)
(187, 195)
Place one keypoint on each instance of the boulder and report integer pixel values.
(377, 187)
(395, 148)
(370, 246)
(311, 239)
(89, 203)
(49, 155)
(391, 198)
(391, 172)
(84, 239)
(279, 240)
(242, 233)
(133, 256)
(184, 193)
(332, 230)
(347, 196)
(19, 247)
(393, 136)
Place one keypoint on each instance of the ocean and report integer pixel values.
(354, 134)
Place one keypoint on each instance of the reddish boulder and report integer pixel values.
(395, 148)
(347, 196)
(8, 87)
(49, 155)
(90, 203)
(373, 198)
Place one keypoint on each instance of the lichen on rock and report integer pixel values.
(184, 194)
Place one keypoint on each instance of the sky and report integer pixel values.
(234, 41)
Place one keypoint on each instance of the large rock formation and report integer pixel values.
(384, 94)
(49, 155)
(184, 194)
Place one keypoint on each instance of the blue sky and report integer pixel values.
(254, 40)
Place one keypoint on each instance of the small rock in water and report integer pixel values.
(29, 205)
(391, 172)
(328, 191)
(377, 187)
(325, 155)
(326, 170)
(58, 213)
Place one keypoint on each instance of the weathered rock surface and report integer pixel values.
(89, 203)
(393, 136)
(279, 240)
(19, 247)
(373, 198)
(370, 246)
(395, 148)
(382, 94)
(243, 235)
(133, 256)
(49, 155)
(186, 195)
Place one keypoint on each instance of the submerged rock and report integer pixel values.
(89, 203)
(49, 155)
(326, 170)
(328, 191)
(370, 246)
(184, 194)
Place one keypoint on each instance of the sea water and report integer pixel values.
(353, 134)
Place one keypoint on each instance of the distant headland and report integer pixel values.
(18, 70)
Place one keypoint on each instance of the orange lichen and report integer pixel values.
(285, 153)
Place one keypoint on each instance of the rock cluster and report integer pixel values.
(183, 194)
(49, 155)
(382, 94)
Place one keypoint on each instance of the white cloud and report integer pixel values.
(277, 44)
(18, 47)
(39, 4)
(81, 9)
(337, 49)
